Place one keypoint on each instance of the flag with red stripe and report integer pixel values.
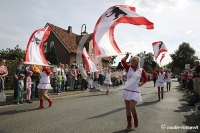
(35, 47)
(163, 55)
(104, 43)
(158, 47)
(89, 63)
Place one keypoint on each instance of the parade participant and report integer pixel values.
(28, 86)
(160, 82)
(43, 86)
(131, 93)
(154, 77)
(107, 80)
(168, 80)
(20, 89)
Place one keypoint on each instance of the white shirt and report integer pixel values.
(55, 70)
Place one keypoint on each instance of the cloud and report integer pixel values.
(188, 32)
(151, 5)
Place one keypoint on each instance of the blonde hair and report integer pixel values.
(138, 60)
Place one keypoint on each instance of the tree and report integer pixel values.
(12, 54)
(52, 56)
(146, 61)
(112, 60)
(185, 54)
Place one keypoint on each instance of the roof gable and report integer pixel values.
(67, 39)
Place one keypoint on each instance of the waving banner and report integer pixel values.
(163, 55)
(158, 47)
(89, 63)
(35, 47)
(103, 37)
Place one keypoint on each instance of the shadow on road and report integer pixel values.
(191, 120)
(147, 103)
(16, 111)
(111, 112)
(90, 95)
(124, 131)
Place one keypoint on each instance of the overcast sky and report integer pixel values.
(175, 21)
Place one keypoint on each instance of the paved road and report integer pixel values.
(95, 112)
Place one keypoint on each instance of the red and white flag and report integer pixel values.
(103, 37)
(158, 47)
(163, 55)
(35, 47)
(89, 63)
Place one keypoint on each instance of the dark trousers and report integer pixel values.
(100, 79)
(34, 89)
(154, 82)
(54, 84)
(84, 84)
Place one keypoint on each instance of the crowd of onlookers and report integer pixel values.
(190, 80)
(63, 77)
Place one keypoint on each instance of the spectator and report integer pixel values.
(101, 77)
(36, 69)
(154, 77)
(185, 79)
(29, 84)
(196, 77)
(77, 78)
(84, 76)
(3, 74)
(64, 78)
(19, 68)
(59, 79)
(66, 69)
(73, 77)
(55, 74)
(20, 89)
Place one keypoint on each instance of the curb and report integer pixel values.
(53, 96)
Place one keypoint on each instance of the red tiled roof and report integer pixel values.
(68, 39)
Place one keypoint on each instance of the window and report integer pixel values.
(45, 47)
(51, 44)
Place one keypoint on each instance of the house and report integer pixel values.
(66, 43)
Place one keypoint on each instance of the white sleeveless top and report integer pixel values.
(161, 77)
(133, 79)
(44, 78)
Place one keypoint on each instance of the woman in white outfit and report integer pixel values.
(131, 93)
(107, 80)
(168, 80)
(160, 82)
(43, 86)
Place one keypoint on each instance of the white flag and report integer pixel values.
(89, 63)
(35, 47)
(158, 47)
(104, 42)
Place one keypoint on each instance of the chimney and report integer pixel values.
(69, 29)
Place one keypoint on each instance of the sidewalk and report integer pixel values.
(10, 93)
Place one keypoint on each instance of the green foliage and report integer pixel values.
(112, 59)
(52, 56)
(12, 54)
(185, 54)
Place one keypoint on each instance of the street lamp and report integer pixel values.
(83, 32)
